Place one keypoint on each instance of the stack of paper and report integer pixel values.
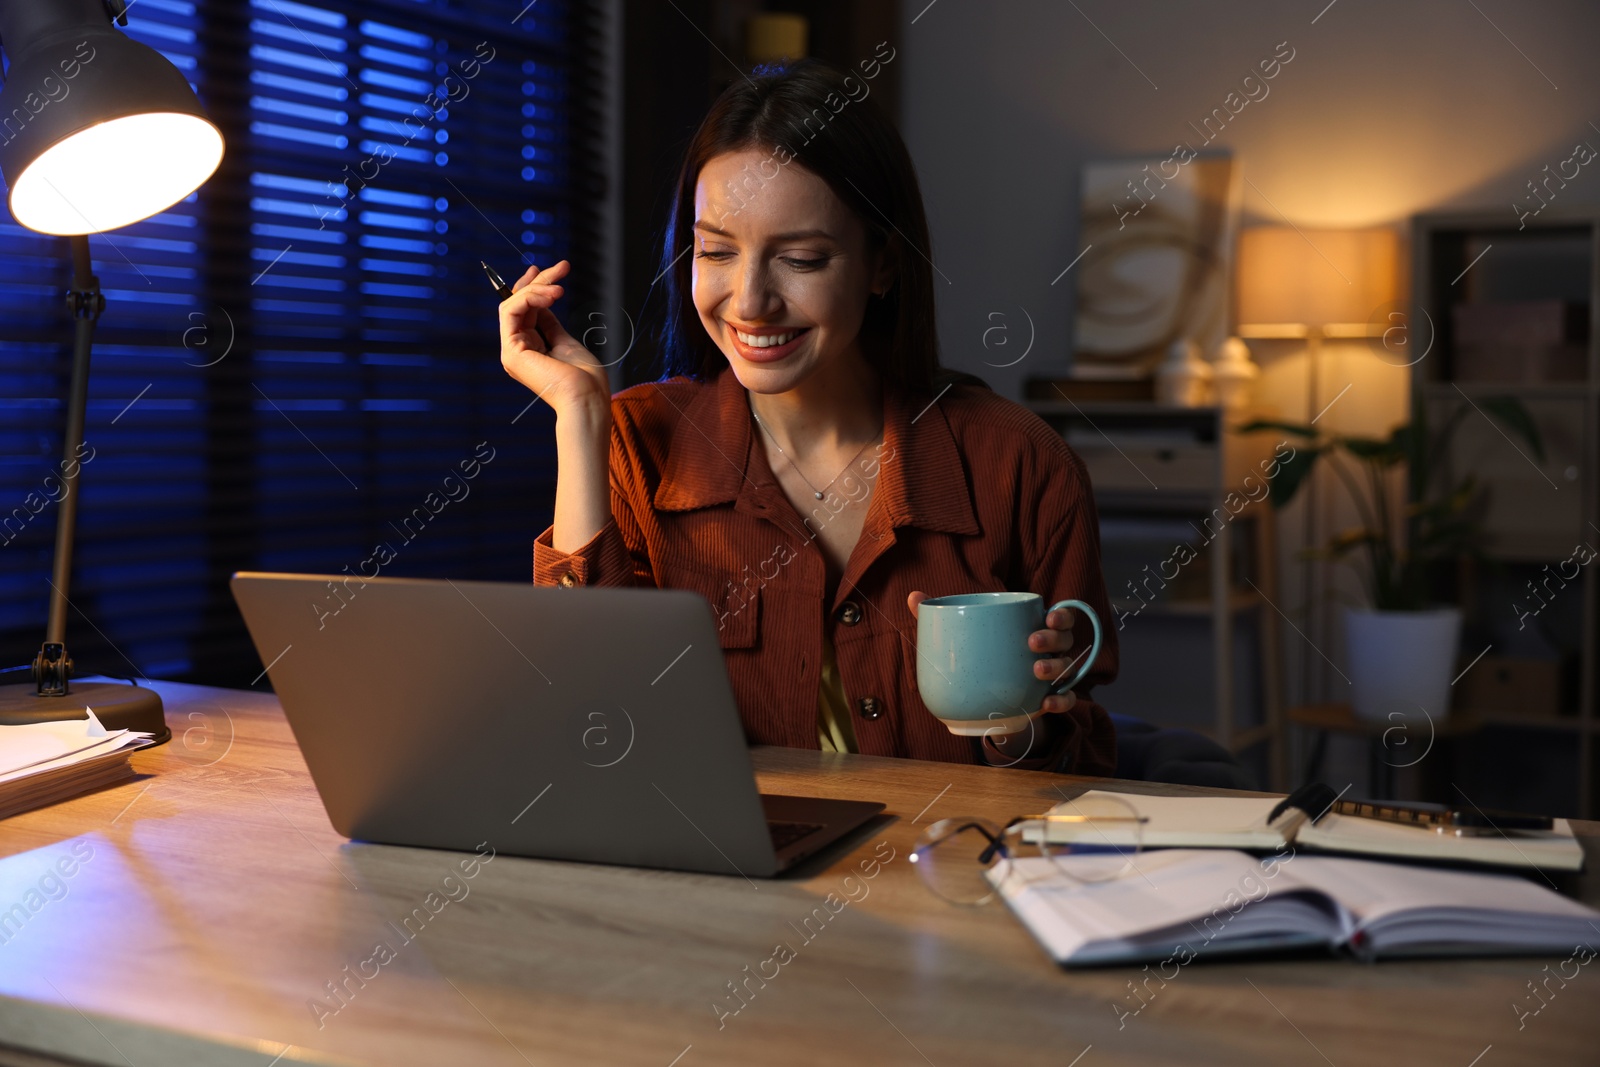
(42, 763)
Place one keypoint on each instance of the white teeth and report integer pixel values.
(767, 340)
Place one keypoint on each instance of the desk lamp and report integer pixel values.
(96, 131)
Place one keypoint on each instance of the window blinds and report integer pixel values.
(298, 366)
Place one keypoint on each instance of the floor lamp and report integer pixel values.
(1310, 286)
(96, 131)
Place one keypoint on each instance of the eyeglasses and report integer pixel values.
(966, 860)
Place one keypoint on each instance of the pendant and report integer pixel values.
(816, 494)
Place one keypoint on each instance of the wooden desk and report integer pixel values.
(219, 902)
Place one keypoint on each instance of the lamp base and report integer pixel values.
(118, 707)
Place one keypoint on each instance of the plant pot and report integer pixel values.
(1401, 661)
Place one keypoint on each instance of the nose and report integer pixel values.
(753, 298)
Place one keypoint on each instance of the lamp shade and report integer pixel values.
(96, 130)
(773, 36)
(1315, 277)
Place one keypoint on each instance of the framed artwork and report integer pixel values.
(1158, 266)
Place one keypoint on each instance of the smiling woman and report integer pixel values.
(802, 366)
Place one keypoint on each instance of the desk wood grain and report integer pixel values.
(218, 904)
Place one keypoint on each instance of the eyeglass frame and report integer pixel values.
(997, 843)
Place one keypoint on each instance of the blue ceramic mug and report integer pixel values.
(974, 667)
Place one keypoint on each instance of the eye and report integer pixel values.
(804, 264)
(718, 256)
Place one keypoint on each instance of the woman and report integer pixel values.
(806, 465)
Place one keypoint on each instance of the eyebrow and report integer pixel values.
(792, 235)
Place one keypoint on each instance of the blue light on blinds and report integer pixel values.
(319, 41)
(395, 59)
(378, 148)
(313, 64)
(399, 244)
(298, 12)
(398, 222)
(399, 199)
(295, 133)
(398, 82)
(296, 233)
(308, 112)
(396, 35)
(296, 185)
(297, 85)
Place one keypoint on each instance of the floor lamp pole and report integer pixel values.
(1314, 676)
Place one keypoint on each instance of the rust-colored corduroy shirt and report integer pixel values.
(973, 493)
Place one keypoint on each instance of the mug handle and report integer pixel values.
(1094, 648)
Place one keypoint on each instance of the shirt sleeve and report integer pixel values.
(615, 556)
(1062, 554)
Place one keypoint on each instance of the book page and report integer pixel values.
(1094, 907)
(1176, 822)
(1395, 904)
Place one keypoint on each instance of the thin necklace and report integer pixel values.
(818, 493)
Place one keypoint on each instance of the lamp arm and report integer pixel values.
(53, 667)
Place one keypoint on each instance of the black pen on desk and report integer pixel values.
(501, 289)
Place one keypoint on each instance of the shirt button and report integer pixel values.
(870, 708)
(568, 580)
(849, 613)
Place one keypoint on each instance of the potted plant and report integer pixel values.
(1402, 649)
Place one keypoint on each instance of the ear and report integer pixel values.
(887, 268)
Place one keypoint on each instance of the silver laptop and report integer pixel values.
(576, 724)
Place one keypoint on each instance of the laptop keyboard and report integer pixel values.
(785, 834)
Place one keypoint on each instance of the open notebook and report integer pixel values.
(1241, 823)
(1174, 905)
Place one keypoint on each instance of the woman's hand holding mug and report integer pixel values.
(988, 663)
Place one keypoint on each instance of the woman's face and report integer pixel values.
(782, 269)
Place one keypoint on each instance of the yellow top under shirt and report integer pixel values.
(835, 731)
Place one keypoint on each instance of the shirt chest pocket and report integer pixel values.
(735, 607)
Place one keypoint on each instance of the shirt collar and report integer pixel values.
(922, 479)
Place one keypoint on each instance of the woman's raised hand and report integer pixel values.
(537, 351)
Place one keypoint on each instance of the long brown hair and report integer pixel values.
(814, 115)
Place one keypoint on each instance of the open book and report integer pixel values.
(1174, 905)
(42, 763)
(1242, 823)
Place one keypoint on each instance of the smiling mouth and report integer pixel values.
(768, 340)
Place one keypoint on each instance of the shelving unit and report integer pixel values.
(1171, 471)
(1537, 513)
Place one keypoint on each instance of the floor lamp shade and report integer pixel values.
(1315, 277)
(96, 130)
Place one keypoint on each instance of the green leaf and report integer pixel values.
(1347, 541)
(1510, 411)
(1384, 453)
(1262, 425)
(1291, 473)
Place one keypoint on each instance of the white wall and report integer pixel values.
(1386, 109)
